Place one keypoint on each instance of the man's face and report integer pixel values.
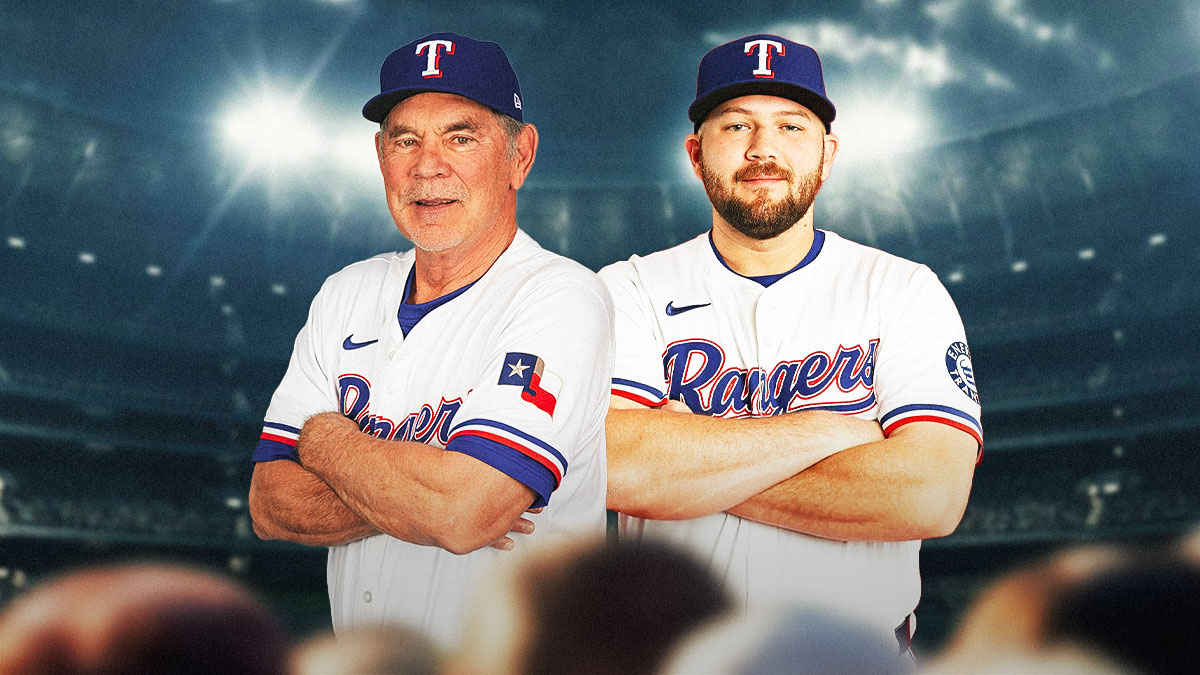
(445, 170)
(762, 160)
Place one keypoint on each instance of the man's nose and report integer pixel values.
(431, 161)
(762, 146)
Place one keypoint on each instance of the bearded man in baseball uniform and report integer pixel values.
(817, 412)
(436, 399)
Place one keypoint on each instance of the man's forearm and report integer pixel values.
(668, 465)
(290, 503)
(913, 485)
(324, 449)
(412, 491)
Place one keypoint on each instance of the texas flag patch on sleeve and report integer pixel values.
(538, 385)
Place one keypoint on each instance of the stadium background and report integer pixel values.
(176, 179)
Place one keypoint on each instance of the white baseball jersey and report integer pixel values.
(513, 371)
(851, 329)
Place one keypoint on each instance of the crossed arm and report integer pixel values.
(814, 472)
(349, 485)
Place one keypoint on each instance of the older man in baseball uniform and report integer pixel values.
(442, 401)
(818, 415)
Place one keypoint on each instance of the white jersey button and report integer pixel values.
(367, 597)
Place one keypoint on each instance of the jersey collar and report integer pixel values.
(768, 279)
(410, 314)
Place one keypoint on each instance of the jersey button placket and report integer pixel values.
(393, 364)
(763, 331)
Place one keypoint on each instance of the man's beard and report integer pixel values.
(761, 218)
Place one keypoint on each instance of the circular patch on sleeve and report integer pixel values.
(958, 364)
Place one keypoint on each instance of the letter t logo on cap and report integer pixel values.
(764, 55)
(433, 53)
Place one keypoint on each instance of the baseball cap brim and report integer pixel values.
(819, 105)
(377, 108)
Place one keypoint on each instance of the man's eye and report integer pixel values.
(737, 126)
(461, 140)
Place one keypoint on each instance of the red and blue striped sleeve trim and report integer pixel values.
(525, 458)
(278, 441)
(638, 392)
(928, 412)
(281, 433)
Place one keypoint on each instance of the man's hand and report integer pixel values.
(522, 526)
(674, 406)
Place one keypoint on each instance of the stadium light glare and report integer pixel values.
(154, 271)
(1158, 239)
(1087, 254)
(954, 277)
(275, 136)
(271, 133)
(16, 242)
(355, 150)
(17, 144)
(87, 258)
(1019, 266)
(873, 129)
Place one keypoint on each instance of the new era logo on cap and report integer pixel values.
(449, 63)
(761, 64)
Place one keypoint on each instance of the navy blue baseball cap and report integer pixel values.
(761, 64)
(447, 63)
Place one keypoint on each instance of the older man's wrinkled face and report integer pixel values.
(446, 170)
(762, 160)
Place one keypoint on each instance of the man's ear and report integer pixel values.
(527, 143)
(831, 148)
(691, 145)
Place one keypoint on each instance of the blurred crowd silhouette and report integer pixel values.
(595, 607)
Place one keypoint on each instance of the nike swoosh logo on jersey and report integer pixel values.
(672, 310)
(348, 344)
